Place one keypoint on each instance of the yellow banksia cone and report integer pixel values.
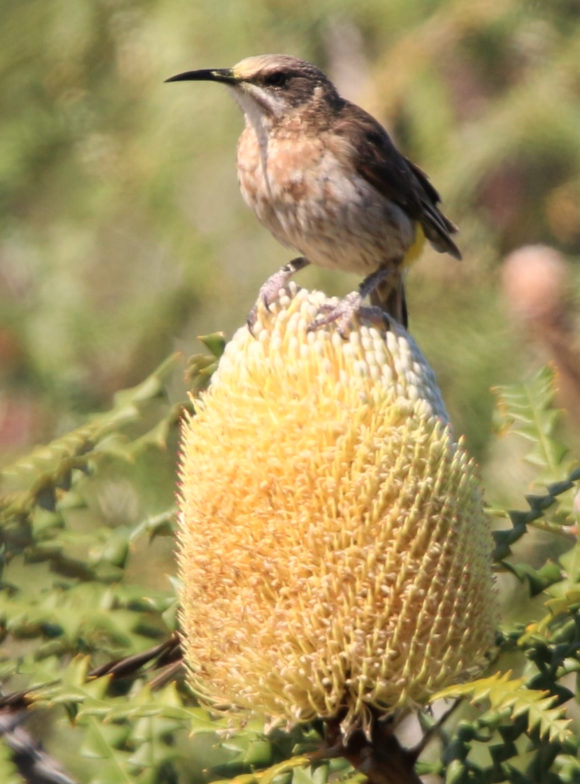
(334, 553)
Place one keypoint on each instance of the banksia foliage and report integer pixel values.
(333, 549)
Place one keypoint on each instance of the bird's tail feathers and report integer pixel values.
(438, 229)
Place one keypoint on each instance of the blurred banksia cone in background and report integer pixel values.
(334, 553)
(537, 285)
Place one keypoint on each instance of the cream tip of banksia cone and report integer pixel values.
(333, 549)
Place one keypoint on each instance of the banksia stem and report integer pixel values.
(335, 558)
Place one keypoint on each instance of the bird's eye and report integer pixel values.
(277, 79)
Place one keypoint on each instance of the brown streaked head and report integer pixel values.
(272, 84)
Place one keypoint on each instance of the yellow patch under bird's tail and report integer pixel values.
(416, 248)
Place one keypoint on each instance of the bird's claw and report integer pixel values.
(345, 312)
(268, 294)
(270, 290)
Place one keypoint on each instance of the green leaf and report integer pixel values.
(163, 524)
(513, 697)
(216, 343)
(538, 579)
(102, 741)
(527, 409)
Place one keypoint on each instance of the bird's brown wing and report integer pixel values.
(375, 157)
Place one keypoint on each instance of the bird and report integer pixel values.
(327, 181)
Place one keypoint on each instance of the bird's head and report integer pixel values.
(271, 85)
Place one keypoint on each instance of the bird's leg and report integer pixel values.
(270, 290)
(352, 304)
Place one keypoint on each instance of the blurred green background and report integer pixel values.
(123, 235)
(122, 231)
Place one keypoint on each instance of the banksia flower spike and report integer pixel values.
(334, 553)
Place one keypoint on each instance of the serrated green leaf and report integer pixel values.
(101, 741)
(527, 409)
(162, 524)
(303, 776)
(513, 696)
(33, 480)
(113, 550)
(538, 579)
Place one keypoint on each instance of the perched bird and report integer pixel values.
(325, 178)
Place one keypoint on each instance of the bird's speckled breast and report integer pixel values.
(309, 200)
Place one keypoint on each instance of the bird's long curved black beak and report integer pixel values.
(224, 75)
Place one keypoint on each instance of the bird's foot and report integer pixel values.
(270, 290)
(345, 311)
(351, 306)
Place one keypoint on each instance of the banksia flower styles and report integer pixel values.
(333, 549)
